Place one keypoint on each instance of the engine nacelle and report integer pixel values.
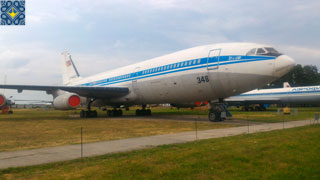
(67, 101)
(3, 100)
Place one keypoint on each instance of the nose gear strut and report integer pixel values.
(218, 111)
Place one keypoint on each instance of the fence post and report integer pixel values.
(81, 143)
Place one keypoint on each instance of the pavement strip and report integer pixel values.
(69, 152)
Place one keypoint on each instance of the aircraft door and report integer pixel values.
(135, 80)
(135, 86)
(215, 79)
(213, 59)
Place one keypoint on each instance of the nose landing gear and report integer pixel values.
(218, 112)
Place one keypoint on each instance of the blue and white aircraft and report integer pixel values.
(204, 73)
(286, 95)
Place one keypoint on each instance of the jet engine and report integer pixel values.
(3, 100)
(66, 101)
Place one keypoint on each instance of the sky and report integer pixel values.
(105, 34)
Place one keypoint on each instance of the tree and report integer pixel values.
(299, 76)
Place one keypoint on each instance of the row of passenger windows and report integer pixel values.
(172, 66)
(162, 68)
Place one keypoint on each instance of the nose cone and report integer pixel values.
(283, 64)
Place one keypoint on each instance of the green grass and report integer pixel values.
(269, 116)
(285, 154)
(28, 129)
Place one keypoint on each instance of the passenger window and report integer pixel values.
(178, 65)
(171, 66)
(174, 66)
(190, 62)
(199, 60)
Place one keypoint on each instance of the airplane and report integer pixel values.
(204, 73)
(6, 104)
(285, 95)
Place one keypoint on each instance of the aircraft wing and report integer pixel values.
(85, 91)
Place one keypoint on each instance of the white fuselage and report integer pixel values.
(295, 95)
(197, 74)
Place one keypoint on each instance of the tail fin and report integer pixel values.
(286, 85)
(69, 70)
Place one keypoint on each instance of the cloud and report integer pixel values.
(303, 55)
(105, 34)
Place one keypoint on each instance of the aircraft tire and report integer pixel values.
(82, 114)
(148, 112)
(94, 113)
(10, 112)
(214, 116)
(138, 112)
(119, 112)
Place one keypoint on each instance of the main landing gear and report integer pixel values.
(218, 112)
(143, 111)
(89, 113)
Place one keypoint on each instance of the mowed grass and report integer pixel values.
(272, 116)
(269, 116)
(285, 155)
(27, 129)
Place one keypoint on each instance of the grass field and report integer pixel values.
(269, 116)
(27, 129)
(286, 154)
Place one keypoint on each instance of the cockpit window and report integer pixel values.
(261, 51)
(252, 52)
(272, 51)
(266, 51)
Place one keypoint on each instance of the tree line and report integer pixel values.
(299, 76)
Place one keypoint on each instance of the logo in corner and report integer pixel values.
(12, 12)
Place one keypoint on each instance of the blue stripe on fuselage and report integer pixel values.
(277, 93)
(178, 67)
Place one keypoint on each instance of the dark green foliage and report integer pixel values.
(299, 76)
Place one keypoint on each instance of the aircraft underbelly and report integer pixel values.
(172, 89)
(187, 88)
(301, 99)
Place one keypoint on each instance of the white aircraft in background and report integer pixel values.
(286, 95)
(204, 73)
